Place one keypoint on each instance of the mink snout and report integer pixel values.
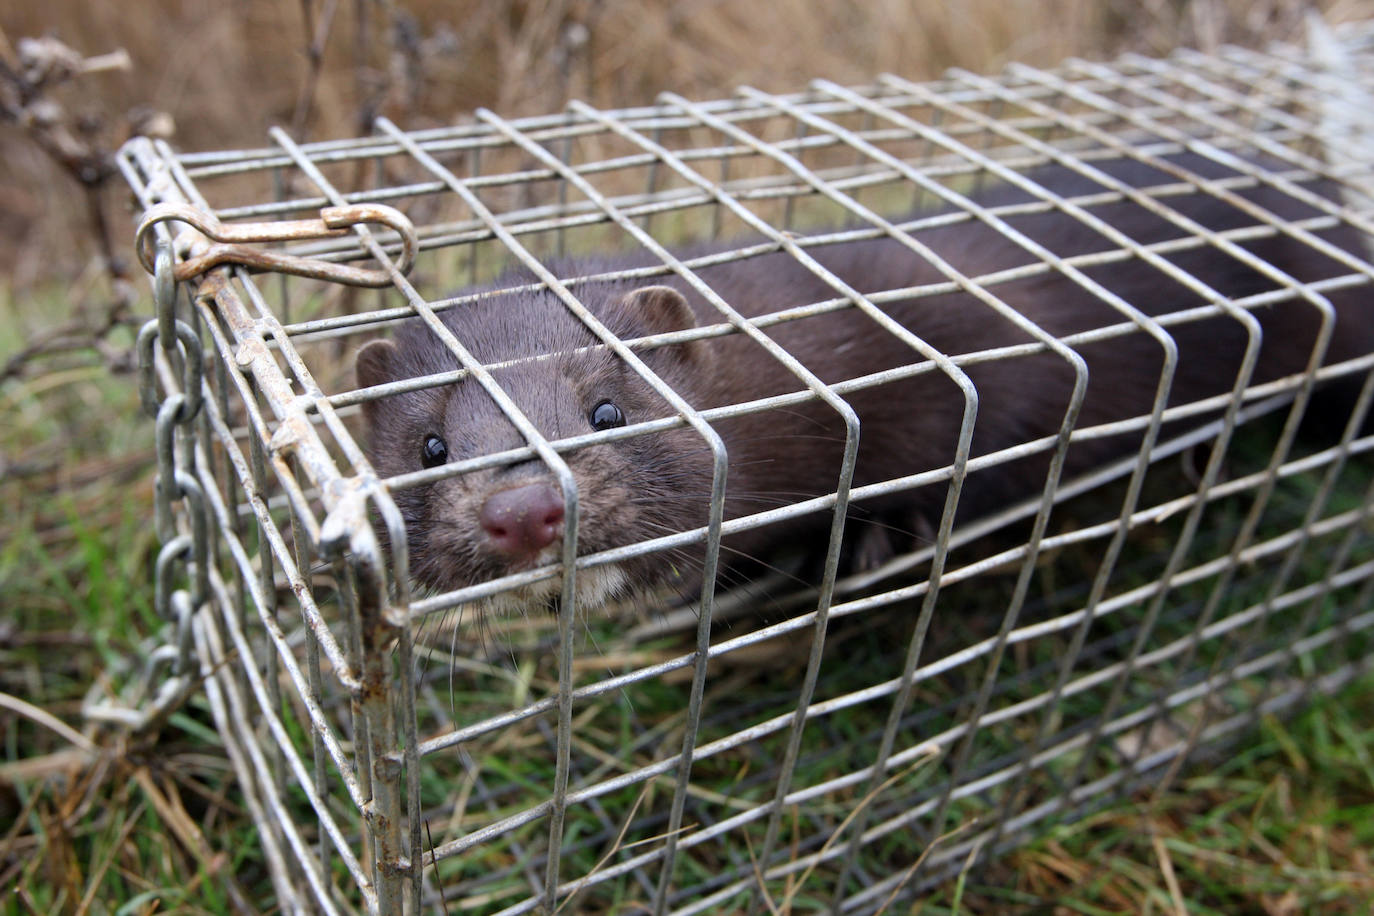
(521, 521)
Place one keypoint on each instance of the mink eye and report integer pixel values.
(606, 416)
(434, 452)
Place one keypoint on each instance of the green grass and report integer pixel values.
(126, 827)
(1284, 825)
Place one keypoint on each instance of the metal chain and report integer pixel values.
(182, 555)
(179, 501)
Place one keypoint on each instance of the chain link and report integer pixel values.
(179, 503)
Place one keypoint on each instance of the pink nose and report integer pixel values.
(522, 521)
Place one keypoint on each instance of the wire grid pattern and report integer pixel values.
(770, 740)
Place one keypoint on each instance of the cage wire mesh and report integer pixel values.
(829, 735)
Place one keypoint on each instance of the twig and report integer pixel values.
(31, 71)
(47, 720)
(317, 39)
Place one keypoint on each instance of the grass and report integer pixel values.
(100, 824)
(1281, 826)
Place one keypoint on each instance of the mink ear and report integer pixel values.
(662, 309)
(375, 364)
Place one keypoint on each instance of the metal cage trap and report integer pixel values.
(830, 745)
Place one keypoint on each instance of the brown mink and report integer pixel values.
(478, 526)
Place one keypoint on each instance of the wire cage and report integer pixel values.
(815, 732)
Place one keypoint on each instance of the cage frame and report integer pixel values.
(287, 416)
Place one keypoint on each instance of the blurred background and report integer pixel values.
(214, 75)
(88, 822)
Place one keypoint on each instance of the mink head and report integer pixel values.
(478, 526)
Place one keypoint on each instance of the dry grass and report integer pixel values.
(225, 72)
(1281, 828)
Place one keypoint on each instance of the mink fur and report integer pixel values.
(657, 484)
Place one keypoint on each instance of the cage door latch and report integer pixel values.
(234, 243)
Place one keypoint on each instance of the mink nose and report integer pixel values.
(522, 521)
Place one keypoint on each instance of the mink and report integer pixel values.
(478, 526)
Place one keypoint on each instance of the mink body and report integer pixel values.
(475, 527)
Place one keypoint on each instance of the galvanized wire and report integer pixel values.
(306, 628)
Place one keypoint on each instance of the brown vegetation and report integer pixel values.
(225, 71)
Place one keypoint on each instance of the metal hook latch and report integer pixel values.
(230, 239)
